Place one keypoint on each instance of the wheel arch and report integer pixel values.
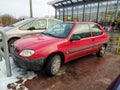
(13, 38)
(59, 53)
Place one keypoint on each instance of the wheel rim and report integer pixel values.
(56, 64)
(102, 51)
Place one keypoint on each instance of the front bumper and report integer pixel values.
(35, 64)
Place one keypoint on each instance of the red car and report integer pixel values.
(58, 45)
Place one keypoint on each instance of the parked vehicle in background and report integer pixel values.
(58, 45)
(27, 27)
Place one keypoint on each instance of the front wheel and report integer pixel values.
(53, 65)
(101, 52)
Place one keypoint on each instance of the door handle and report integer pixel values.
(93, 39)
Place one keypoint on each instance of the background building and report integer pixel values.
(101, 11)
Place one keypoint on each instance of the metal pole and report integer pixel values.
(67, 14)
(106, 12)
(6, 53)
(31, 13)
(83, 12)
(0, 57)
(97, 11)
(56, 13)
(72, 13)
(116, 11)
(59, 13)
(90, 12)
(77, 13)
(63, 14)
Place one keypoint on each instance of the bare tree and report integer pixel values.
(0, 21)
(7, 20)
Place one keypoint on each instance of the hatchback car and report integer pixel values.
(58, 45)
(27, 27)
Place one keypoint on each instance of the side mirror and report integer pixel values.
(31, 28)
(75, 37)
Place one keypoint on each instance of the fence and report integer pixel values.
(118, 46)
(114, 43)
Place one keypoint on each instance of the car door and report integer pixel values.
(98, 37)
(78, 48)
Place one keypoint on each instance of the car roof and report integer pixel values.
(80, 22)
(46, 18)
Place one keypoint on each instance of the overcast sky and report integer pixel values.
(18, 8)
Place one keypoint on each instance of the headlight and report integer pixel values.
(27, 53)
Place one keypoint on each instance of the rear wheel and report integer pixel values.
(101, 52)
(53, 65)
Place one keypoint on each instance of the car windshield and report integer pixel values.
(59, 30)
(21, 22)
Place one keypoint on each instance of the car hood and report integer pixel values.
(36, 41)
(7, 28)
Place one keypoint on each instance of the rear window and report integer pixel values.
(96, 30)
(82, 30)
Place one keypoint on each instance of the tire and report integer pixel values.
(53, 65)
(101, 52)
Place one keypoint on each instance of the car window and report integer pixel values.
(39, 24)
(96, 30)
(22, 22)
(59, 30)
(52, 22)
(82, 30)
(26, 26)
